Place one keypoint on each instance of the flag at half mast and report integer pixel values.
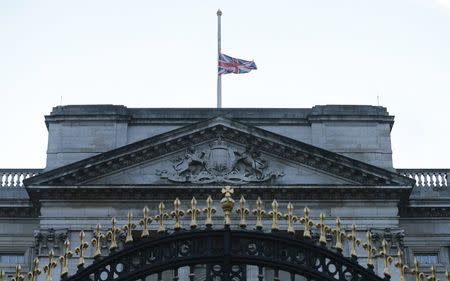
(228, 64)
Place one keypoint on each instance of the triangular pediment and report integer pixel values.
(218, 151)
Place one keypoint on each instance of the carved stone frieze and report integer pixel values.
(220, 164)
(394, 237)
(49, 239)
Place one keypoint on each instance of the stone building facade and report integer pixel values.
(105, 161)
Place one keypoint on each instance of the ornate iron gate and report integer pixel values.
(224, 255)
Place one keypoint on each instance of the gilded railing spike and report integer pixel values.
(64, 259)
(387, 260)
(2, 275)
(161, 217)
(401, 266)
(307, 223)
(48, 269)
(259, 212)
(447, 275)
(323, 229)
(275, 214)
(209, 211)
(128, 228)
(35, 271)
(81, 250)
(355, 242)
(291, 218)
(371, 251)
(340, 235)
(112, 234)
(145, 222)
(242, 211)
(18, 275)
(419, 276)
(194, 212)
(177, 214)
(227, 204)
(432, 276)
(97, 241)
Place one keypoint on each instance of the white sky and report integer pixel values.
(163, 54)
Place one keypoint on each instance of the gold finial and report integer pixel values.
(227, 204)
(64, 259)
(401, 266)
(355, 242)
(112, 234)
(194, 212)
(177, 213)
(371, 251)
(18, 276)
(447, 275)
(387, 260)
(97, 241)
(161, 217)
(291, 219)
(145, 222)
(242, 211)
(35, 271)
(128, 228)
(323, 229)
(416, 272)
(2, 274)
(432, 276)
(48, 269)
(210, 211)
(307, 223)
(340, 235)
(259, 212)
(80, 250)
(275, 214)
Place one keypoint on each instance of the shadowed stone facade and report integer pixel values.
(106, 160)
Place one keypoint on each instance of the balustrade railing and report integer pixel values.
(15, 177)
(428, 178)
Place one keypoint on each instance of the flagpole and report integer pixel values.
(219, 77)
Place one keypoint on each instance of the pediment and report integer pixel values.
(218, 151)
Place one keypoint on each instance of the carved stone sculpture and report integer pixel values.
(220, 164)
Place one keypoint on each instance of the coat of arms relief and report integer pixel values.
(220, 164)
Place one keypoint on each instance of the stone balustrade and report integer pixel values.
(428, 178)
(15, 177)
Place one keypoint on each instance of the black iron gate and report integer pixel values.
(224, 255)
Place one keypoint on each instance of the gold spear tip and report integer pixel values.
(219, 12)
